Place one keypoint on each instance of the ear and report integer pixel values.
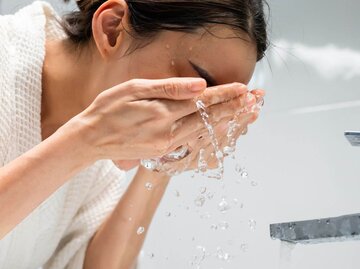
(108, 26)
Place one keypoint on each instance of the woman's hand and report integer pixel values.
(142, 119)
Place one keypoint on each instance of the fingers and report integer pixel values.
(258, 92)
(194, 123)
(211, 96)
(171, 88)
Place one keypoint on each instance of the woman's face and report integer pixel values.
(219, 56)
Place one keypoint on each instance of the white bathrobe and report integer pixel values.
(56, 234)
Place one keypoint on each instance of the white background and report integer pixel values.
(296, 152)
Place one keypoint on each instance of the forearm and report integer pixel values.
(31, 178)
(116, 245)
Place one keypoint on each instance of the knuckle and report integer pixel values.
(161, 111)
(135, 83)
(171, 89)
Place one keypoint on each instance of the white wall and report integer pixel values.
(296, 151)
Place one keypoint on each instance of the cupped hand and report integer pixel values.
(220, 120)
(142, 119)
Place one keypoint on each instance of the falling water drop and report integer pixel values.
(223, 206)
(244, 174)
(252, 224)
(205, 215)
(223, 225)
(168, 214)
(238, 168)
(177, 193)
(244, 247)
(203, 190)
(210, 195)
(222, 255)
(151, 255)
(199, 201)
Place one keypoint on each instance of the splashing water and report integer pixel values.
(219, 155)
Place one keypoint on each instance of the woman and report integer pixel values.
(114, 82)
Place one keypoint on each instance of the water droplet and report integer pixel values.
(228, 150)
(210, 195)
(252, 224)
(148, 186)
(254, 183)
(202, 164)
(238, 168)
(328, 221)
(213, 227)
(223, 225)
(199, 201)
(203, 190)
(130, 219)
(205, 215)
(172, 63)
(223, 206)
(140, 230)
(221, 254)
(244, 174)
(191, 48)
(167, 46)
(177, 193)
(244, 247)
(235, 201)
(151, 255)
(168, 214)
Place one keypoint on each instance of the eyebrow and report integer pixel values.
(204, 74)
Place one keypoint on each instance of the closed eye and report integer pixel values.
(204, 74)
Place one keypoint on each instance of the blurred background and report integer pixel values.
(299, 163)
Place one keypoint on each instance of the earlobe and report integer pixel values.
(108, 29)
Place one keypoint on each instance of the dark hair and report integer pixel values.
(148, 17)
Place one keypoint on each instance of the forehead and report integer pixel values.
(227, 55)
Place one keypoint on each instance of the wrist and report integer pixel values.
(77, 133)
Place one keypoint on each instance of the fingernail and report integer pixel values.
(241, 89)
(197, 84)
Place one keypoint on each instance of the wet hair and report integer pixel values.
(149, 17)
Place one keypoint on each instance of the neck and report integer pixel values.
(69, 84)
